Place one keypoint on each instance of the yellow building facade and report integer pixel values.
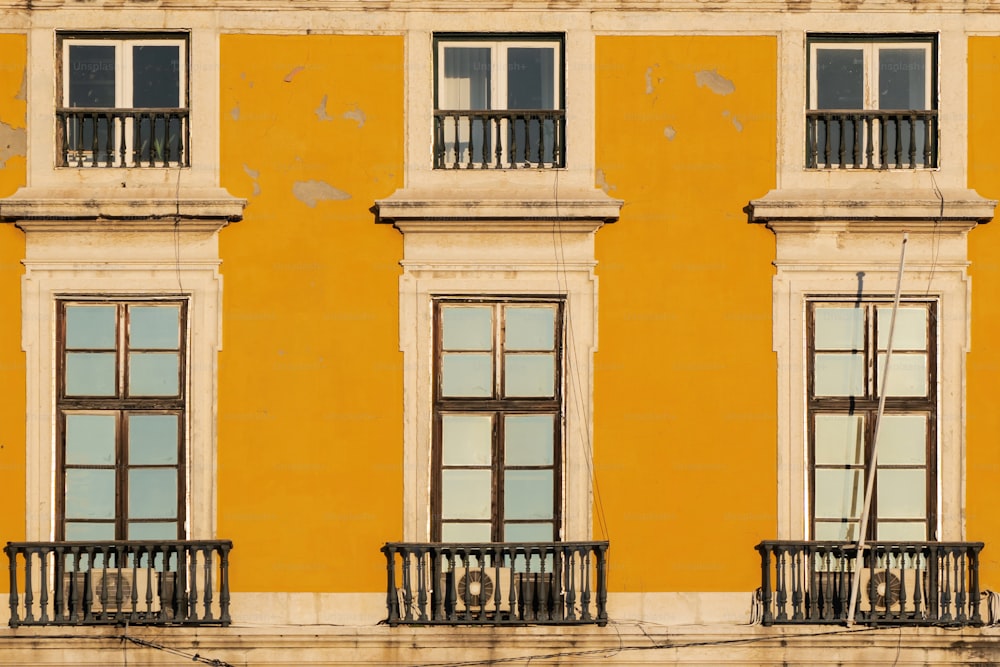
(417, 333)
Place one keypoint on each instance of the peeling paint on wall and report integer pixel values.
(602, 182)
(715, 82)
(649, 79)
(312, 192)
(321, 110)
(291, 75)
(357, 115)
(13, 142)
(736, 121)
(22, 92)
(669, 133)
(253, 174)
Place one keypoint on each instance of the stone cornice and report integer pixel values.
(756, 6)
(191, 211)
(890, 210)
(413, 211)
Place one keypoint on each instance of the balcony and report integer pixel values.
(107, 583)
(102, 137)
(550, 583)
(871, 139)
(912, 583)
(520, 139)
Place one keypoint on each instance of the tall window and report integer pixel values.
(847, 351)
(124, 100)
(121, 416)
(499, 101)
(872, 102)
(498, 421)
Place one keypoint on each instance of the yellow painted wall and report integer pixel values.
(983, 361)
(685, 379)
(310, 383)
(13, 116)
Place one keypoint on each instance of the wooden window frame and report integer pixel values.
(868, 405)
(121, 405)
(499, 406)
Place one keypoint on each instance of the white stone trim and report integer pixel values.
(64, 262)
(821, 247)
(493, 257)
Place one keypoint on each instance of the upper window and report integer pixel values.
(848, 344)
(872, 102)
(121, 420)
(123, 101)
(498, 101)
(497, 421)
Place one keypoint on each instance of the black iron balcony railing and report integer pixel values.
(500, 139)
(99, 583)
(101, 137)
(908, 583)
(550, 583)
(856, 139)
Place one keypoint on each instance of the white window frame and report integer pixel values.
(124, 65)
(498, 64)
(870, 50)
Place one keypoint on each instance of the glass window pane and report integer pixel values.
(92, 76)
(839, 439)
(840, 78)
(152, 439)
(528, 494)
(836, 530)
(89, 532)
(465, 532)
(529, 328)
(530, 77)
(467, 375)
(902, 494)
(466, 440)
(154, 374)
(90, 494)
(903, 440)
(152, 493)
(156, 76)
(902, 78)
(466, 494)
(908, 375)
(839, 328)
(467, 78)
(839, 374)
(528, 440)
(466, 328)
(90, 439)
(529, 532)
(90, 374)
(154, 327)
(839, 494)
(90, 327)
(901, 531)
(910, 332)
(160, 530)
(529, 374)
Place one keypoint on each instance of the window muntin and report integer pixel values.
(872, 102)
(123, 100)
(847, 345)
(499, 101)
(121, 419)
(498, 414)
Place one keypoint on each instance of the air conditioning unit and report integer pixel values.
(888, 590)
(479, 586)
(104, 591)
